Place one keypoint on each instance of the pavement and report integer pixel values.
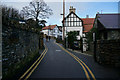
(78, 51)
(59, 63)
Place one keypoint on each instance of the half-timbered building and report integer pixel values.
(73, 23)
(81, 25)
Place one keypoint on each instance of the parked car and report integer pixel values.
(76, 45)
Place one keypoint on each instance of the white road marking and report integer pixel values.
(58, 50)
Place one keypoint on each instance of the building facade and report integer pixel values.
(53, 31)
(108, 26)
(81, 25)
(87, 26)
(73, 23)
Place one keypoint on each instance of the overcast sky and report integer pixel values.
(82, 8)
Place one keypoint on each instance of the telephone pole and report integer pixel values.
(63, 21)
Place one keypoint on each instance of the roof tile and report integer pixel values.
(49, 27)
(88, 24)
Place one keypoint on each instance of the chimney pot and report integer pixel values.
(72, 9)
(97, 12)
(87, 16)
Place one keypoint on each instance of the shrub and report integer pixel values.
(72, 36)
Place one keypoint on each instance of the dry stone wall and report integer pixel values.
(17, 43)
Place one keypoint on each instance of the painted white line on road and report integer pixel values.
(58, 50)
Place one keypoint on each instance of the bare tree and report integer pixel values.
(37, 9)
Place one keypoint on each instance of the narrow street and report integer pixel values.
(60, 63)
(90, 31)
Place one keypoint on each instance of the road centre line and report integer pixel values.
(33, 64)
(81, 63)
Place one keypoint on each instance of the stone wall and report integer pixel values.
(91, 47)
(108, 52)
(17, 43)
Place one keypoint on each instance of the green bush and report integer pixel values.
(72, 36)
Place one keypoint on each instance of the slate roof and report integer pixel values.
(88, 24)
(109, 21)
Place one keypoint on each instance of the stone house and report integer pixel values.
(107, 47)
(108, 26)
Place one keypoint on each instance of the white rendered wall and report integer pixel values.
(45, 31)
(85, 45)
(57, 32)
(80, 29)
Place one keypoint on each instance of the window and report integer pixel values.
(54, 30)
(73, 21)
(71, 24)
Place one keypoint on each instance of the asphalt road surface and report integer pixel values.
(60, 63)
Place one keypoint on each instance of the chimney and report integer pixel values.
(72, 9)
(87, 16)
(97, 12)
(101, 11)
